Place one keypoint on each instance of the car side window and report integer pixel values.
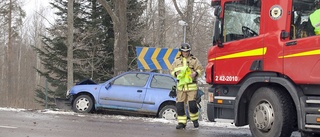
(138, 79)
(162, 82)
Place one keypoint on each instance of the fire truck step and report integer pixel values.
(312, 126)
(312, 110)
(313, 100)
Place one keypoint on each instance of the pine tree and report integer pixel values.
(93, 53)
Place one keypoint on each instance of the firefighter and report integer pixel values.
(186, 68)
(313, 26)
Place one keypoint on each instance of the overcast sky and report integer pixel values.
(30, 6)
(33, 7)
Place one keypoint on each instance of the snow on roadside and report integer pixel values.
(122, 117)
(202, 123)
(12, 109)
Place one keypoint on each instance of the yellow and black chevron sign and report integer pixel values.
(156, 58)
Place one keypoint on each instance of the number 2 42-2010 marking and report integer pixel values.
(226, 78)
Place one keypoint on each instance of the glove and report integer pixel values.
(173, 92)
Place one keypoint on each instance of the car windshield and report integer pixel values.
(137, 79)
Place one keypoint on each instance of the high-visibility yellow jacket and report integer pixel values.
(315, 21)
(184, 77)
(186, 65)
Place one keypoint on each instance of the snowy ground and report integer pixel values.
(203, 122)
(57, 112)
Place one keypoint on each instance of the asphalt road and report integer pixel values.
(40, 124)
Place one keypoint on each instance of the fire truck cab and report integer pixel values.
(264, 67)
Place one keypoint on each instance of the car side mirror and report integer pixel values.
(108, 85)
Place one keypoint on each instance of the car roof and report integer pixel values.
(148, 72)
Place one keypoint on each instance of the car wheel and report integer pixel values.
(271, 113)
(83, 104)
(168, 112)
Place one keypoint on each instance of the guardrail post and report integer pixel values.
(46, 94)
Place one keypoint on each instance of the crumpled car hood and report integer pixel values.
(87, 82)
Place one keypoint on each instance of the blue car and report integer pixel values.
(139, 92)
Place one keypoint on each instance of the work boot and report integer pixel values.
(195, 124)
(181, 126)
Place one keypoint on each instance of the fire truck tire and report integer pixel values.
(271, 113)
(83, 104)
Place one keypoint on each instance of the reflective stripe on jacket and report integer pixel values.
(186, 66)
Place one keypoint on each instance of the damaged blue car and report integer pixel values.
(134, 91)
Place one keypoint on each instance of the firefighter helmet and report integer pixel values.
(185, 47)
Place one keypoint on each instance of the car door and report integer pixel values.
(125, 92)
(158, 91)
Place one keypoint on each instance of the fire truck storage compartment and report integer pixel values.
(224, 110)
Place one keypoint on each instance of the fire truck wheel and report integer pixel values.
(83, 104)
(271, 113)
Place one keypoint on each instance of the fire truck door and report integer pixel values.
(302, 51)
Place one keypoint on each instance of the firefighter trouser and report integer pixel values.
(184, 97)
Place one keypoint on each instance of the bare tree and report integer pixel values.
(149, 32)
(70, 44)
(33, 32)
(9, 56)
(187, 17)
(17, 59)
(161, 24)
(119, 18)
(37, 30)
(11, 16)
(151, 22)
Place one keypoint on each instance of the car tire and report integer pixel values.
(83, 104)
(271, 113)
(168, 112)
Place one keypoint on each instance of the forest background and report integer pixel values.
(46, 52)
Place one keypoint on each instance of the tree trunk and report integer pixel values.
(70, 44)
(161, 16)
(189, 21)
(121, 38)
(187, 18)
(151, 16)
(9, 59)
(119, 18)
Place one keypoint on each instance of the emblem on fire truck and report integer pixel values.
(275, 12)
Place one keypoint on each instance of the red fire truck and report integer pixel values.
(264, 67)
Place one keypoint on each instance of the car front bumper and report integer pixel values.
(64, 104)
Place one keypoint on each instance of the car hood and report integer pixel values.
(87, 82)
